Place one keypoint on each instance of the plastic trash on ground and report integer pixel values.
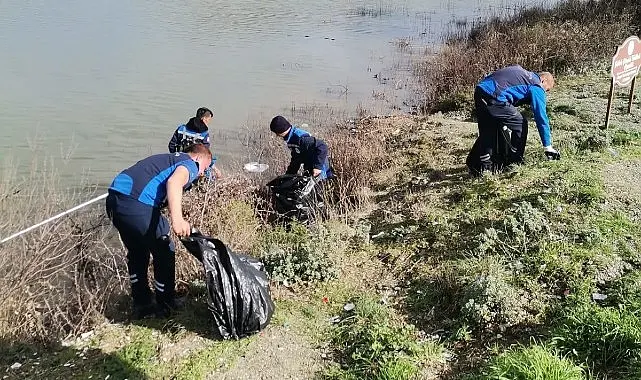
(255, 167)
(237, 287)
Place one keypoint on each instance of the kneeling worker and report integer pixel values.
(495, 100)
(307, 150)
(134, 202)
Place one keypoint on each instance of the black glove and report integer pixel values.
(552, 154)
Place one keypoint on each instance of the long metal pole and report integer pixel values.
(54, 218)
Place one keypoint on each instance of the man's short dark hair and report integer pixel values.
(202, 112)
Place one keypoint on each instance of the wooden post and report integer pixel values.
(634, 82)
(607, 115)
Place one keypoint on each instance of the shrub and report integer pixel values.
(357, 153)
(568, 37)
(298, 255)
(603, 338)
(524, 227)
(532, 363)
(59, 279)
(371, 344)
(490, 301)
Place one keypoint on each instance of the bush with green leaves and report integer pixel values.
(298, 255)
(491, 301)
(604, 338)
(370, 343)
(532, 363)
(523, 228)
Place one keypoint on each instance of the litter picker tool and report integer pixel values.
(103, 196)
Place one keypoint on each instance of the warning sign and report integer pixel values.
(627, 61)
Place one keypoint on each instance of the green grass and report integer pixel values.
(371, 343)
(532, 363)
(605, 339)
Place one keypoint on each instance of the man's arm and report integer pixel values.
(173, 143)
(175, 185)
(540, 115)
(294, 164)
(318, 149)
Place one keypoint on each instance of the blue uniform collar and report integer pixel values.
(290, 134)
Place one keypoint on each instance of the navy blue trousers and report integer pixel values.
(492, 117)
(144, 230)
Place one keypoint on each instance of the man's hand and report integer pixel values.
(551, 153)
(316, 172)
(217, 173)
(181, 227)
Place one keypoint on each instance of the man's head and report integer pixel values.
(280, 126)
(201, 154)
(547, 80)
(205, 115)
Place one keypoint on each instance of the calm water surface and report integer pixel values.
(110, 80)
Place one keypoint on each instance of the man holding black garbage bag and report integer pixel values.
(301, 196)
(502, 128)
(134, 204)
(307, 150)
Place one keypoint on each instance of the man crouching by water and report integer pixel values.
(307, 150)
(135, 199)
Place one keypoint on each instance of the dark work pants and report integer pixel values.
(144, 230)
(492, 117)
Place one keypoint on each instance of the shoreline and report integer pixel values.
(520, 274)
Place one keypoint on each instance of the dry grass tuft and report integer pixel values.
(570, 37)
(59, 279)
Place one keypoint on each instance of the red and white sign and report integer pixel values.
(627, 61)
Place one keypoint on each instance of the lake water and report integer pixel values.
(100, 84)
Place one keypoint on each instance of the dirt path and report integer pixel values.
(279, 353)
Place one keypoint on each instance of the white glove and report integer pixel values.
(551, 153)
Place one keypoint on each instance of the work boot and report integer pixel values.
(141, 311)
(166, 308)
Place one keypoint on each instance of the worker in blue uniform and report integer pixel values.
(306, 150)
(195, 131)
(496, 98)
(134, 204)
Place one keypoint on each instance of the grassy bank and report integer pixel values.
(421, 272)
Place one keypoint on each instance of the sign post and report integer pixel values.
(625, 68)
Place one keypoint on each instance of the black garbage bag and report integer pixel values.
(297, 197)
(237, 287)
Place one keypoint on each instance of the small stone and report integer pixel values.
(16, 365)
(349, 307)
(599, 296)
